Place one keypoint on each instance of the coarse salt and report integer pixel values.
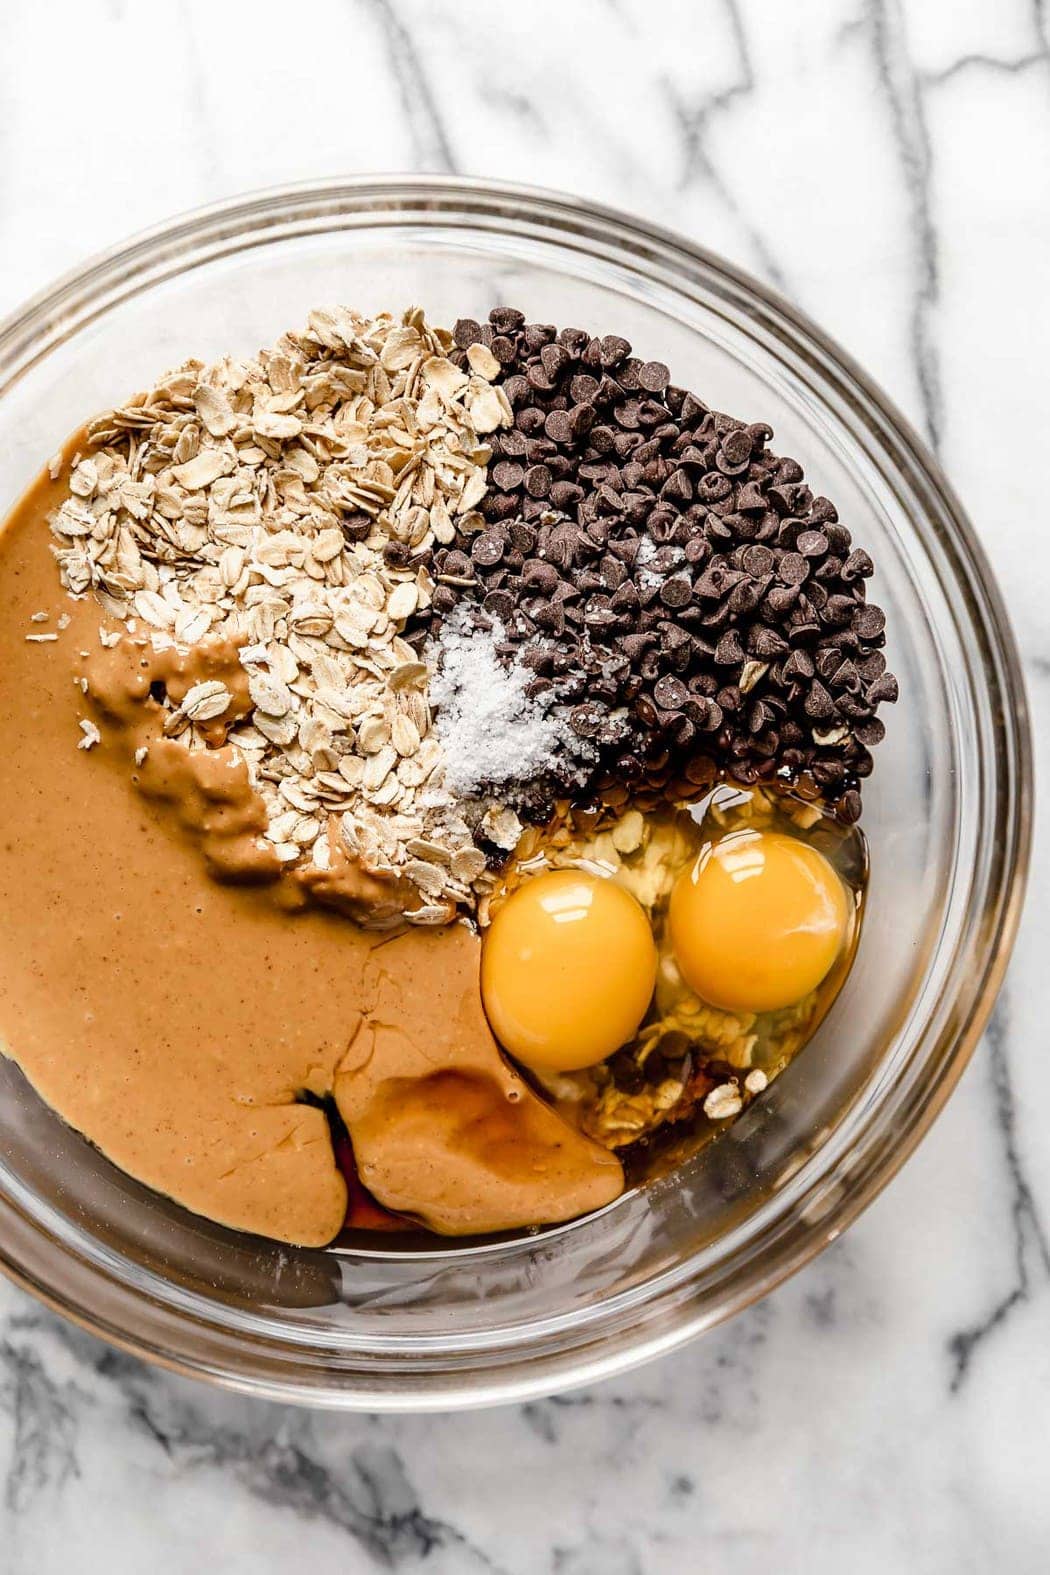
(491, 731)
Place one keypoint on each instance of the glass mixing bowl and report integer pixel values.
(947, 815)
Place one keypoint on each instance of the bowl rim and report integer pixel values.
(132, 259)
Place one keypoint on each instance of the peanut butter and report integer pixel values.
(176, 1019)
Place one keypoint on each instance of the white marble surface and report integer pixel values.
(887, 164)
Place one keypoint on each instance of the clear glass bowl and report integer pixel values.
(947, 814)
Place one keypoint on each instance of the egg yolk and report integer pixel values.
(567, 970)
(757, 922)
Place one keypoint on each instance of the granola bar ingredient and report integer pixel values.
(492, 730)
(757, 922)
(568, 970)
(442, 1127)
(286, 503)
(667, 574)
(190, 1027)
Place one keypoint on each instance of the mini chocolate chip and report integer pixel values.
(538, 481)
(744, 598)
(870, 732)
(653, 376)
(573, 339)
(581, 420)
(812, 544)
(503, 349)
(558, 426)
(869, 622)
(583, 388)
(883, 690)
(506, 319)
(487, 549)
(555, 358)
(586, 720)
(737, 446)
(357, 526)
(713, 487)
(846, 677)
(729, 651)
(858, 566)
(678, 488)
(564, 494)
(676, 592)
(508, 475)
(544, 576)
(536, 335)
(849, 806)
(522, 536)
(793, 568)
(819, 704)
(838, 610)
(512, 443)
(758, 561)
(799, 665)
(670, 693)
(466, 333)
(613, 349)
(766, 644)
(500, 604)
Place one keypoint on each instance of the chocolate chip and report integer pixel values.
(858, 566)
(729, 652)
(357, 526)
(676, 592)
(581, 420)
(586, 720)
(564, 494)
(737, 446)
(849, 806)
(757, 561)
(653, 376)
(749, 563)
(506, 319)
(819, 704)
(508, 475)
(488, 548)
(766, 644)
(793, 569)
(670, 693)
(612, 350)
(538, 481)
(812, 544)
(466, 333)
(799, 665)
(869, 622)
(542, 576)
(500, 604)
(583, 388)
(883, 689)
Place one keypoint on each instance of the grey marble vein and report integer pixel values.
(693, 121)
(993, 63)
(902, 91)
(431, 148)
(43, 1418)
(1030, 1243)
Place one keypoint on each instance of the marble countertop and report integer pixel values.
(886, 163)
